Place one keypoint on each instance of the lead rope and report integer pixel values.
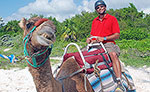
(97, 73)
(85, 77)
(127, 80)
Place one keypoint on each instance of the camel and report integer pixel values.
(39, 34)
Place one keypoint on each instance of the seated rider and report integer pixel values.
(106, 28)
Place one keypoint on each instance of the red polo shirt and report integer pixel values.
(108, 26)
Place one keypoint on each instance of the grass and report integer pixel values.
(54, 61)
(134, 61)
(135, 53)
(5, 64)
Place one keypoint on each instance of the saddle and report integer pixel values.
(90, 59)
(97, 59)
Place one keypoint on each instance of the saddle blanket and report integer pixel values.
(108, 83)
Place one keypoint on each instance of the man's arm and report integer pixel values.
(109, 38)
(113, 36)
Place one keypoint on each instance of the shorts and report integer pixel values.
(111, 47)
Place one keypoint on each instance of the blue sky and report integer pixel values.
(7, 7)
(60, 9)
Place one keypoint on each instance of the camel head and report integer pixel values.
(39, 31)
(39, 34)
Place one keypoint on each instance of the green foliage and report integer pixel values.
(69, 31)
(83, 24)
(142, 45)
(134, 34)
(10, 28)
(5, 64)
(59, 46)
(135, 52)
(1, 22)
(128, 17)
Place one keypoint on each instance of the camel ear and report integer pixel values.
(22, 23)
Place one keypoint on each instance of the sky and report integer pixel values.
(60, 9)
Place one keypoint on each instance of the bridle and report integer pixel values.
(33, 56)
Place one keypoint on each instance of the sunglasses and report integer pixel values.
(98, 7)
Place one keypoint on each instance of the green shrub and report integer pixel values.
(133, 34)
(135, 53)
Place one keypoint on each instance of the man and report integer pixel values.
(107, 29)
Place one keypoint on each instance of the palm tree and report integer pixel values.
(69, 30)
(1, 22)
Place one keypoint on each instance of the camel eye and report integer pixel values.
(29, 25)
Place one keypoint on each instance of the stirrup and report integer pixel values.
(120, 88)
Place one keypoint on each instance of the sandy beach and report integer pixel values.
(20, 80)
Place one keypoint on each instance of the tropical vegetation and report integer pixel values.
(134, 40)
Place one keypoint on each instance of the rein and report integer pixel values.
(34, 55)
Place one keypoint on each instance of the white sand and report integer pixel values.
(141, 77)
(17, 80)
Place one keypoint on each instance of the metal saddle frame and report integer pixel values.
(86, 65)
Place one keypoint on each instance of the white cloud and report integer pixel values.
(147, 11)
(141, 5)
(62, 9)
(86, 6)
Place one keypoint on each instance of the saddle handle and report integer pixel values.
(78, 48)
(96, 44)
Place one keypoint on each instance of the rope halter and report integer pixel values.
(38, 53)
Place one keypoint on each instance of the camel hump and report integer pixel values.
(70, 65)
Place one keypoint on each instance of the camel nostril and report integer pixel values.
(48, 36)
(45, 35)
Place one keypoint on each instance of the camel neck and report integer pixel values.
(43, 78)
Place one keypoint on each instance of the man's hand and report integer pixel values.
(100, 39)
(88, 40)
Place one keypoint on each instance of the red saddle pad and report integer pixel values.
(90, 57)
